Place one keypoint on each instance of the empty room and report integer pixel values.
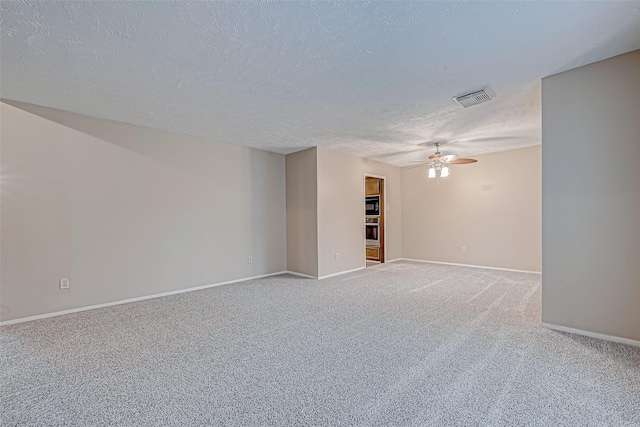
(319, 213)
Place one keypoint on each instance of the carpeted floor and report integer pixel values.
(395, 344)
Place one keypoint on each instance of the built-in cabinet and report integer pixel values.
(374, 218)
(371, 186)
(373, 253)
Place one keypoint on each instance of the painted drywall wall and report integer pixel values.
(341, 210)
(591, 197)
(302, 212)
(492, 208)
(124, 211)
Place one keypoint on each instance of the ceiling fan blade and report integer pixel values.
(462, 161)
(443, 157)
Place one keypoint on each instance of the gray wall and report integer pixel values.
(591, 197)
(125, 211)
(491, 207)
(302, 212)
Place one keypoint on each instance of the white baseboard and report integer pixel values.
(341, 272)
(295, 273)
(468, 265)
(394, 260)
(136, 299)
(592, 334)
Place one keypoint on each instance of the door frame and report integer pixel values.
(384, 216)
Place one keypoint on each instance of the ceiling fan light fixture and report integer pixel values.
(439, 163)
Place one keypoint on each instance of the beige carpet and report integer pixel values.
(396, 344)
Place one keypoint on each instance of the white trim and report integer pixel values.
(295, 273)
(592, 334)
(340, 273)
(136, 299)
(469, 265)
(395, 260)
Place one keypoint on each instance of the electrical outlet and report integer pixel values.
(64, 283)
(250, 260)
(337, 257)
(464, 249)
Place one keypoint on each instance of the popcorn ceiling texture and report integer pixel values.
(398, 344)
(372, 78)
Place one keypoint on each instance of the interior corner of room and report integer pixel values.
(319, 213)
(115, 199)
(487, 214)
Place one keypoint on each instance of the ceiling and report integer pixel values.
(375, 79)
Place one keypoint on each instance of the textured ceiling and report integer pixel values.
(373, 79)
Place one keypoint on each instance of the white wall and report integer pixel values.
(491, 207)
(341, 210)
(125, 211)
(591, 197)
(302, 212)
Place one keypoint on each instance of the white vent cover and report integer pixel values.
(473, 98)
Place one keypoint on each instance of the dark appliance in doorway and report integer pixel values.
(372, 205)
(372, 231)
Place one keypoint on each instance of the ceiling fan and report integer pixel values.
(439, 162)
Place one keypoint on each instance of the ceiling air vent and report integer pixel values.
(473, 98)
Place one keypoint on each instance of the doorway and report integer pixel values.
(374, 219)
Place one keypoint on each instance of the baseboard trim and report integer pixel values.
(136, 299)
(394, 260)
(486, 267)
(589, 334)
(295, 273)
(341, 273)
